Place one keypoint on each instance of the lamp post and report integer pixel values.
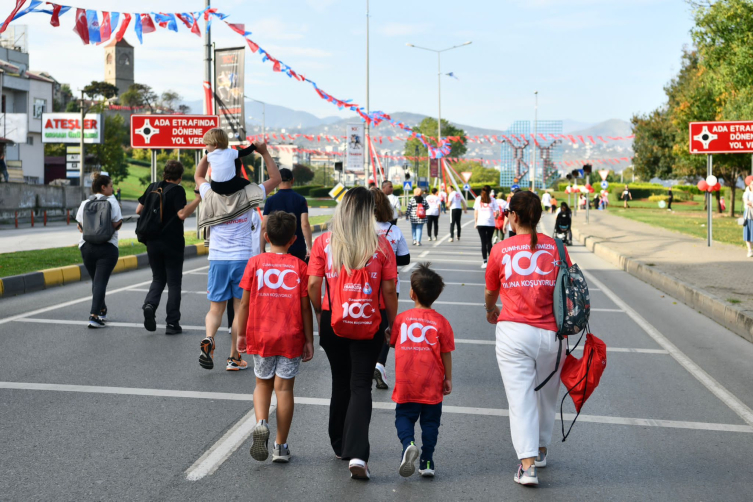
(368, 125)
(439, 82)
(535, 131)
(263, 132)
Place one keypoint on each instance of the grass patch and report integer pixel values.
(316, 220)
(693, 223)
(733, 300)
(23, 262)
(321, 202)
(131, 188)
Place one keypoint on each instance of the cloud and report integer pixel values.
(402, 29)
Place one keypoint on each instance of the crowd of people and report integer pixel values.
(346, 280)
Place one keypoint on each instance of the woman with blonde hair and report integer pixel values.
(416, 213)
(356, 263)
(748, 215)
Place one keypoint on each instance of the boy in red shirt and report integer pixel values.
(423, 341)
(275, 315)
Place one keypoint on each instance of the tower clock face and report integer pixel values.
(124, 60)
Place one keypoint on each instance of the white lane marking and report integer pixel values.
(440, 241)
(478, 271)
(407, 268)
(109, 323)
(196, 273)
(79, 300)
(499, 412)
(707, 380)
(215, 456)
(423, 255)
(183, 292)
(467, 341)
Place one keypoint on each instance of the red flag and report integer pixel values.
(591, 138)
(238, 28)
(105, 29)
(147, 24)
(19, 4)
(184, 19)
(195, 28)
(82, 26)
(55, 19)
(123, 27)
(277, 66)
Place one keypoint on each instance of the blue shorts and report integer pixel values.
(225, 279)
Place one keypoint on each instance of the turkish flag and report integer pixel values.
(105, 29)
(195, 28)
(55, 19)
(147, 24)
(82, 26)
(19, 4)
(123, 27)
(252, 45)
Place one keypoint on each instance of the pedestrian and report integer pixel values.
(563, 223)
(748, 216)
(526, 343)
(393, 234)
(499, 220)
(353, 251)
(554, 204)
(388, 190)
(457, 205)
(117, 195)
(3, 166)
(275, 319)
(546, 199)
(485, 211)
(416, 213)
(287, 200)
(443, 200)
(626, 195)
(432, 214)
(98, 219)
(166, 249)
(670, 198)
(423, 341)
(230, 219)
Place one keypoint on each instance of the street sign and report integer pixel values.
(76, 157)
(171, 131)
(407, 186)
(515, 187)
(434, 168)
(66, 128)
(338, 192)
(466, 176)
(721, 137)
(70, 150)
(603, 173)
(604, 185)
(467, 187)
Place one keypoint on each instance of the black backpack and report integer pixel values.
(97, 224)
(150, 223)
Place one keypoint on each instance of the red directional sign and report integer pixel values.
(171, 131)
(721, 137)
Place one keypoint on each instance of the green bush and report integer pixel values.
(657, 198)
(137, 162)
(305, 190)
(319, 192)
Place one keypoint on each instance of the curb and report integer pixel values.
(713, 307)
(16, 285)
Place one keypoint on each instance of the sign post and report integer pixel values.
(719, 137)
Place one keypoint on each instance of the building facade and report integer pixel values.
(119, 65)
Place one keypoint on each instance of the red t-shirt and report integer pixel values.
(383, 264)
(276, 283)
(525, 280)
(420, 336)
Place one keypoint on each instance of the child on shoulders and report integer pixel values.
(275, 316)
(222, 161)
(423, 342)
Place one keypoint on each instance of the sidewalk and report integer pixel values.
(682, 266)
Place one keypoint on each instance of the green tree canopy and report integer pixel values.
(139, 95)
(302, 174)
(428, 126)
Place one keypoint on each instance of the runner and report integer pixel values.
(231, 236)
(383, 213)
(423, 371)
(443, 200)
(166, 250)
(546, 199)
(416, 212)
(432, 214)
(99, 243)
(522, 274)
(485, 212)
(275, 320)
(626, 195)
(287, 200)
(457, 204)
(388, 189)
(499, 221)
(352, 247)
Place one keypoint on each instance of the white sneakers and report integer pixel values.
(359, 469)
(408, 464)
(483, 266)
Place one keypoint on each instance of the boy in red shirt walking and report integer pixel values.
(275, 315)
(423, 341)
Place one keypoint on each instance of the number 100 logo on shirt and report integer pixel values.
(275, 279)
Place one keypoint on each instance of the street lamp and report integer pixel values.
(439, 81)
(535, 131)
(263, 132)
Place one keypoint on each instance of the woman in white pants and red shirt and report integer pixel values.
(522, 273)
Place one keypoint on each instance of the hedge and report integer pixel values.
(137, 162)
(306, 189)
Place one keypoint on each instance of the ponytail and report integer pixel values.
(527, 206)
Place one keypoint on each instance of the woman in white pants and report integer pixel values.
(522, 272)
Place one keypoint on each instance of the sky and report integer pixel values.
(589, 60)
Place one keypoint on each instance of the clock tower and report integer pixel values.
(119, 64)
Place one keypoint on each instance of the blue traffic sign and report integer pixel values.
(515, 187)
(467, 187)
(604, 185)
(407, 185)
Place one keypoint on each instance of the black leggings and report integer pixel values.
(433, 221)
(455, 215)
(100, 261)
(486, 234)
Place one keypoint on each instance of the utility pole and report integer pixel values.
(81, 143)
(439, 108)
(535, 131)
(368, 125)
(207, 64)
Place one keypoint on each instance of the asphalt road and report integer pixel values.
(122, 414)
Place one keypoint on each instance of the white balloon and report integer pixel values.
(712, 181)
(583, 190)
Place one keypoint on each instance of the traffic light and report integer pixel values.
(569, 177)
(587, 168)
(339, 166)
(407, 176)
(576, 173)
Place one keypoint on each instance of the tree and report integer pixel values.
(480, 174)
(139, 95)
(184, 109)
(110, 154)
(66, 97)
(168, 101)
(100, 91)
(302, 174)
(323, 176)
(428, 127)
(654, 139)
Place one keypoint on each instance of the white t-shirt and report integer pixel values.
(115, 213)
(222, 163)
(235, 240)
(546, 199)
(434, 202)
(397, 240)
(395, 203)
(455, 200)
(442, 196)
(485, 212)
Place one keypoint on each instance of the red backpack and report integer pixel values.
(420, 211)
(355, 305)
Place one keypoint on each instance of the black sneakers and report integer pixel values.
(173, 329)
(150, 322)
(95, 322)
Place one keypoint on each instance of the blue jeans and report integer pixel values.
(417, 230)
(406, 415)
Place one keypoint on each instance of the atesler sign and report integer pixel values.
(171, 131)
(66, 128)
(721, 137)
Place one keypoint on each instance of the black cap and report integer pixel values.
(286, 174)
